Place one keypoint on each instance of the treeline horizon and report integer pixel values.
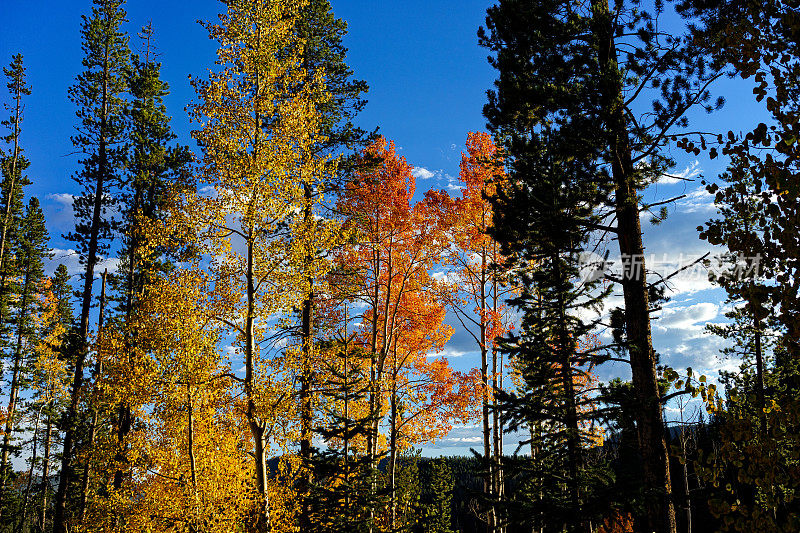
(267, 354)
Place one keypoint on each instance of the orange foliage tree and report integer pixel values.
(398, 243)
(477, 282)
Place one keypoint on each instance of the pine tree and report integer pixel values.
(98, 94)
(322, 53)
(153, 167)
(341, 492)
(591, 66)
(30, 251)
(438, 513)
(13, 164)
(542, 222)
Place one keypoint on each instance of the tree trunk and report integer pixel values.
(306, 407)
(686, 492)
(393, 452)
(759, 375)
(660, 512)
(14, 392)
(46, 473)
(346, 435)
(488, 478)
(93, 424)
(192, 459)
(497, 381)
(27, 497)
(565, 345)
(262, 515)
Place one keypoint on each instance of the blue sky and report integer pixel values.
(427, 78)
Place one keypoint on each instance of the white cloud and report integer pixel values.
(449, 353)
(697, 201)
(691, 171)
(688, 285)
(65, 199)
(459, 440)
(453, 184)
(687, 317)
(422, 173)
(58, 211)
(70, 259)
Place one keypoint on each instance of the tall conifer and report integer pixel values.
(30, 251)
(543, 221)
(322, 53)
(153, 164)
(99, 96)
(13, 164)
(593, 64)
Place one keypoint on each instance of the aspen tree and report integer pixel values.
(477, 285)
(51, 376)
(259, 119)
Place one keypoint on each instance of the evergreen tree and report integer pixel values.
(99, 96)
(591, 64)
(543, 221)
(341, 494)
(153, 165)
(405, 517)
(13, 164)
(30, 251)
(62, 290)
(438, 517)
(322, 53)
(322, 35)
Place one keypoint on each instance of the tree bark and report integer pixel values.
(306, 407)
(499, 489)
(192, 459)
(393, 451)
(488, 478)
(660, 512)
(26, 499)
(257, 429)
(565, 346)
(46, 473)
(93, 424)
